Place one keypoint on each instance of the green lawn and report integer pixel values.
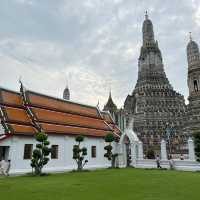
(119, 184)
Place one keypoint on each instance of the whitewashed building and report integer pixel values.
(25, 113)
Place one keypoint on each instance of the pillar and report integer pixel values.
(163, 150)
(133, 155)
(140, 151)
(191, 149)
(124, 123)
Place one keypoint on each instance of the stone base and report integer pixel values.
(185, 165)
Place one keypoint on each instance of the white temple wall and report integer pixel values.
(64, 161)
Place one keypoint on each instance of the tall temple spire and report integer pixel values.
(147, 29)
(193, 109)
(150, 65)
(153, 93)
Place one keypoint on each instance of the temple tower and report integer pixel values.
(153, 103)
(110, 105)
(66, 93)
(193, 108)
(118, 115)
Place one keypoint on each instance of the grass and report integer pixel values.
(119, 184)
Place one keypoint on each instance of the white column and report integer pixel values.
(140, 151)
(120, 155)
(191, 149)
(124, 123)
(133, 154)
(163, 150)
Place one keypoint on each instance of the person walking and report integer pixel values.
(158, 162)
(5, 167)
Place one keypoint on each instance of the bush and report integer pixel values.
(109, 138)
(150, 154)
(108, 148)
(197, 145)
(40, 154)
(79, 153)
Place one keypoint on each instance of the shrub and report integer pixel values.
(40, 154)
(150, 154)
(197, 145)
(109, 138)
(79, 153)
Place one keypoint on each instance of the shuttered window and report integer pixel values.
(54, 152)
(28, 149)
(93, 151)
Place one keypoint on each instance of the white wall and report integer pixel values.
(64, 161)
(1, 130)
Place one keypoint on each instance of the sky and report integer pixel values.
(91, 45)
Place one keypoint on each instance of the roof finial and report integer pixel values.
(98, 104)
(110, 95)
(190, 33)
(146, 15)
(20, 79)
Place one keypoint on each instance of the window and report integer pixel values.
(28, 148)
(54, 152)
(93, 151)
(195, 86)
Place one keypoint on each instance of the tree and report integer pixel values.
(197, 145)
(79, 153)
(109, 138)
(41, 153)
(150, 154)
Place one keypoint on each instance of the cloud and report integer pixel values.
(95, 43)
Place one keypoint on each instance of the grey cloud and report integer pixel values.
(97, 42)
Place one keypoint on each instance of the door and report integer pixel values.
(4, 152)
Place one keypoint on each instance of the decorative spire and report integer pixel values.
(190, 36)
(147, 30)
(110, 94)
(146, 15)
(193, 55)
(22, 89)
(110, 105)
(98, 104)
(66, 93)
(20, 79)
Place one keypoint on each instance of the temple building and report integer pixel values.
(154, 104)
(24, 113)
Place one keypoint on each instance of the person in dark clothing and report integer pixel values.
(158, 161)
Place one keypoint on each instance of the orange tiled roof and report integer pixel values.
(51, 103)
(68, 119)
(16, 115)
(51, 128)
(52, 115)
(11, 98)
(18, 129)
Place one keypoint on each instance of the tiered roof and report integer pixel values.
(27, 113)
